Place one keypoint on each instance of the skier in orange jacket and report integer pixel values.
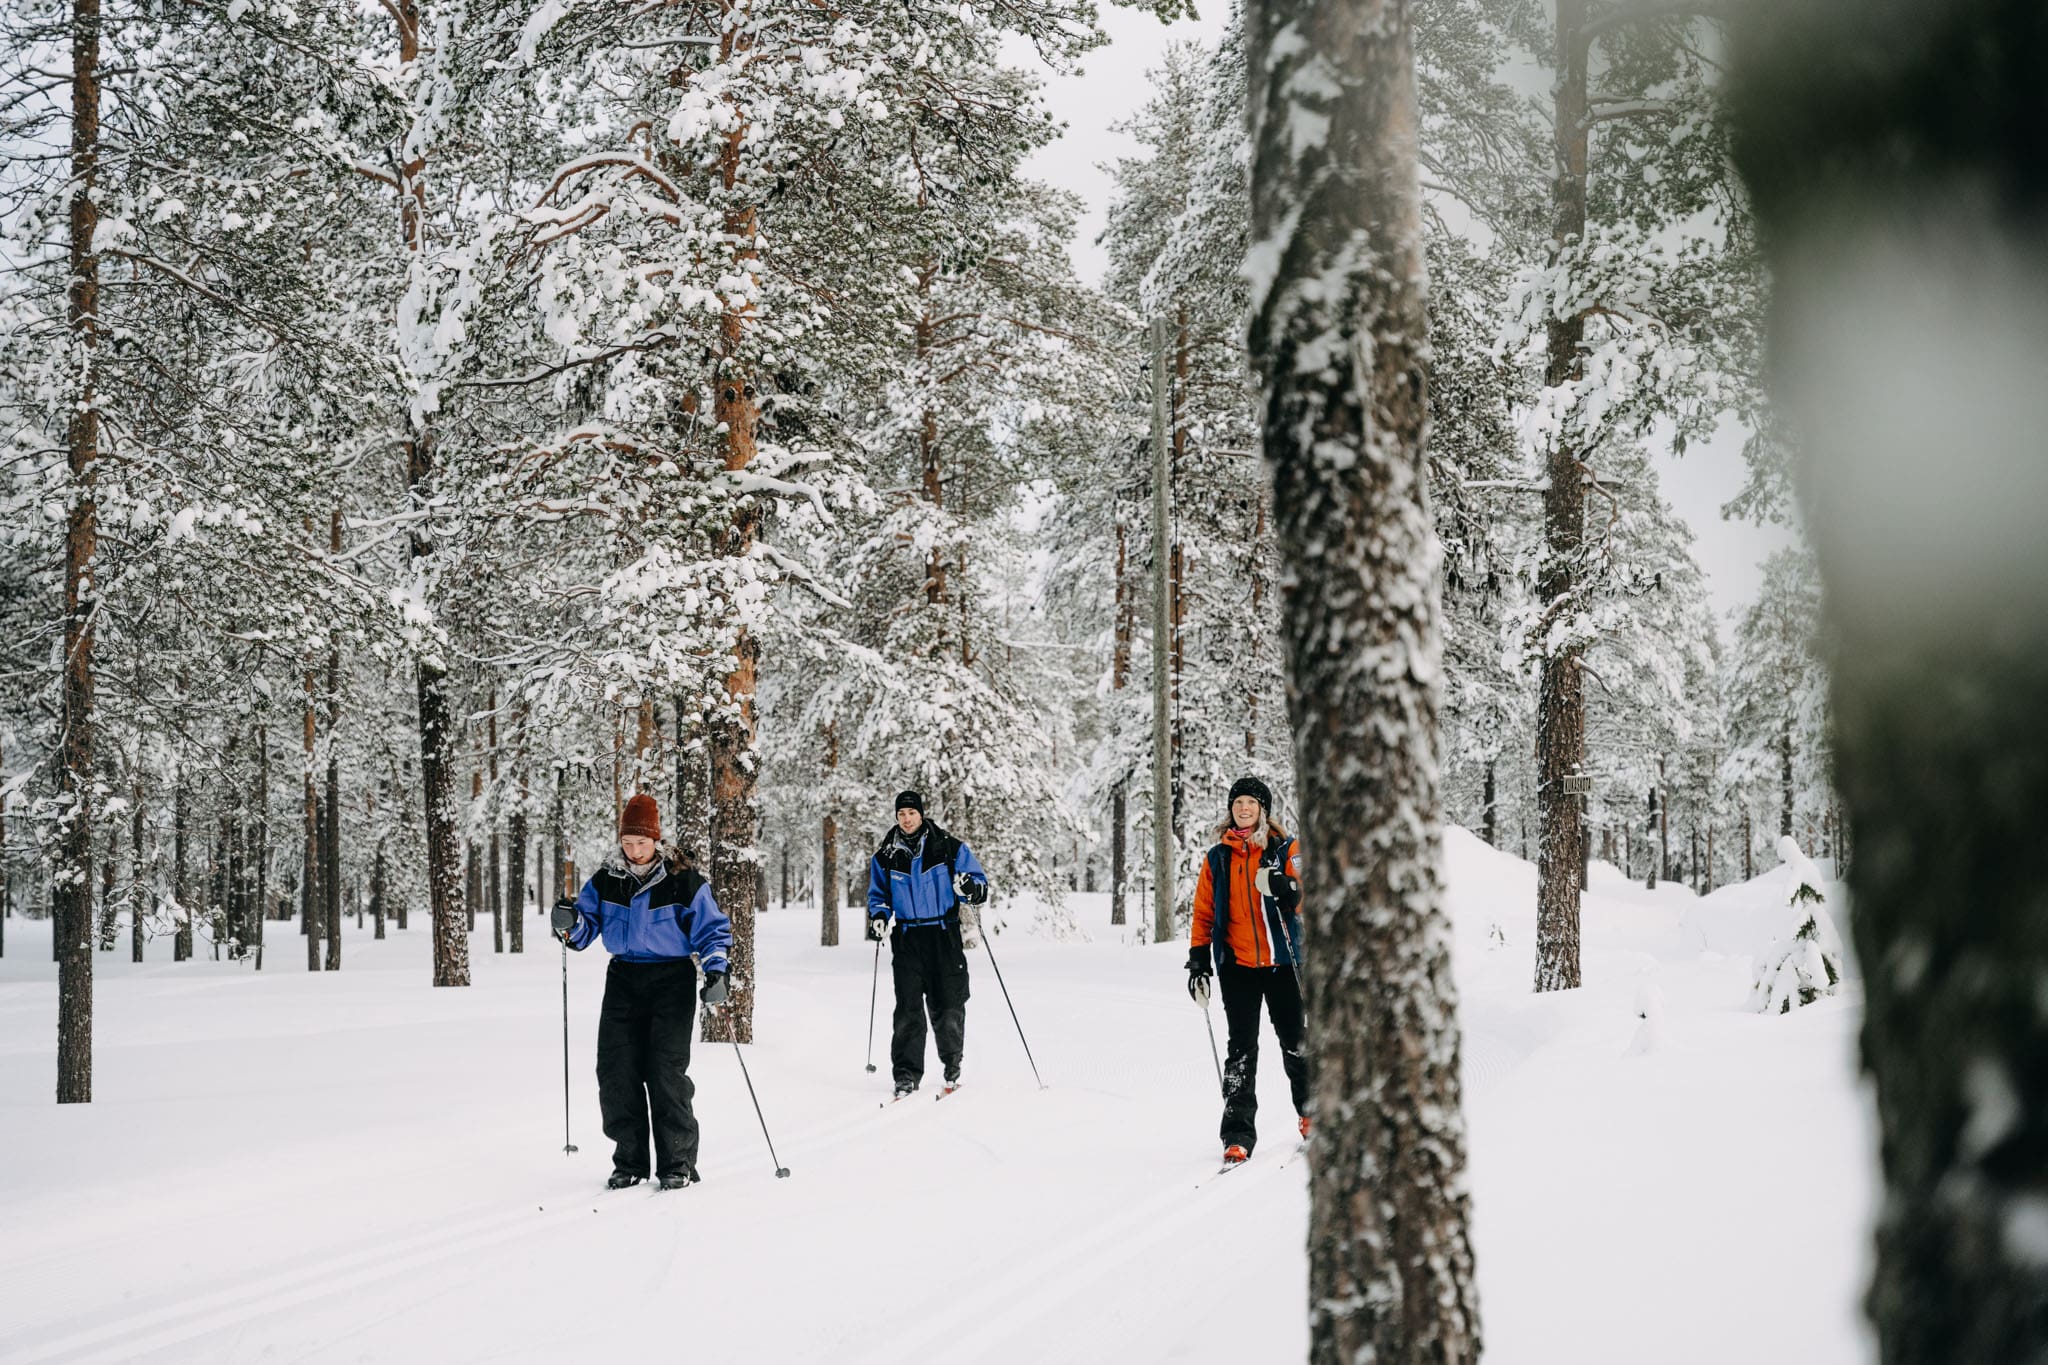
(1248, 924)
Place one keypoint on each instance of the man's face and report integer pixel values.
(1245, 811)
(638, 848)
(909, 820)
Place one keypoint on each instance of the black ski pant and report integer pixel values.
(1244, 990)
(643, 1063)
(929, 966)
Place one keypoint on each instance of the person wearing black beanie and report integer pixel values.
(1247, 934)
(920, 875)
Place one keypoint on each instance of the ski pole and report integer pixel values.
(1214, 1055)
(987, 941)
(781, 1171)
(873, 984)
(567, 1145)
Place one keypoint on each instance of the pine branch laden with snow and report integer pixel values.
(1339, 334)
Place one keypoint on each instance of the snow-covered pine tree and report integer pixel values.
(1805, 962)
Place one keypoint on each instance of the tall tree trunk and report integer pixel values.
(828, 848)
(72, 878)
(495, 870)
(109, 911)
(1663, 825)
(1901, 201)
(6, 870)
(1339, 333)
(331, 830)
(1561, 689)
(1490, 816)
(312, 903)
(735, 814)
(262, 840)
(437, 724)
(1785, 788)
(181, 886)
(138, 892)
(1119, 678)
(518, 845)
(1119, 850)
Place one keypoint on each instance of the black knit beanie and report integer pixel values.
(911, 800)
(1252, 787)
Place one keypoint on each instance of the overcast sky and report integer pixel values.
(1112, 86)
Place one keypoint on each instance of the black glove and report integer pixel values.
(563, 917)
(715, 992)
(968, 889)
(1200, 971)
(878, 927)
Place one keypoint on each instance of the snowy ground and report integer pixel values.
(356, 1167)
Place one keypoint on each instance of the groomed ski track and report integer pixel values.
(356, 1167)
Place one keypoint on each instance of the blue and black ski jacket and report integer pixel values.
(666, 916)
(911, 876)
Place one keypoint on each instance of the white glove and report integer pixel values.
(1264, 880)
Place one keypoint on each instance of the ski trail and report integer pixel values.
(322, 1276)
(1035, 1286)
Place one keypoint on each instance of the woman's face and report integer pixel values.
(638, 848)
(1244, 811)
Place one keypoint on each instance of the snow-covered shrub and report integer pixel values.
(1800, 969)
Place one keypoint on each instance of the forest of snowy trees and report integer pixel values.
(430, 424)
(441, 422)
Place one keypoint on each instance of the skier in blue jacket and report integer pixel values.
(659, 922)
(920, 874)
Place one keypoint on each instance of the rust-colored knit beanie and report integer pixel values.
(641, 817)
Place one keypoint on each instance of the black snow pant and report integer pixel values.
(643, 1063)
(1244, 989)
(929, 967)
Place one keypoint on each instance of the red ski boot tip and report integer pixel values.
(1233, 1154)
(1304, 1127)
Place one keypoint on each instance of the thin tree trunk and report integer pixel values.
(138, 891)
(72, 902)
(495, 870)
(109, 911)
(1338, 217)
(1663, 826)
(181, 886)
(1561, 695)
(262, 840)
(1785, 787)
(312, 903)
(1490, 816)
(1119, 851)
(1119, 678)
(518, 844)
(828, 848)
(331, 830)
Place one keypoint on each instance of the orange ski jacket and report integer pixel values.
(1232, 919)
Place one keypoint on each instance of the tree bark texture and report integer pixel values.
(72, 882)
(736, 408)
(312, 903)
(138, 891)
(1561, 688)
(1903, 200)
(444, 859)
(1339, 333)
